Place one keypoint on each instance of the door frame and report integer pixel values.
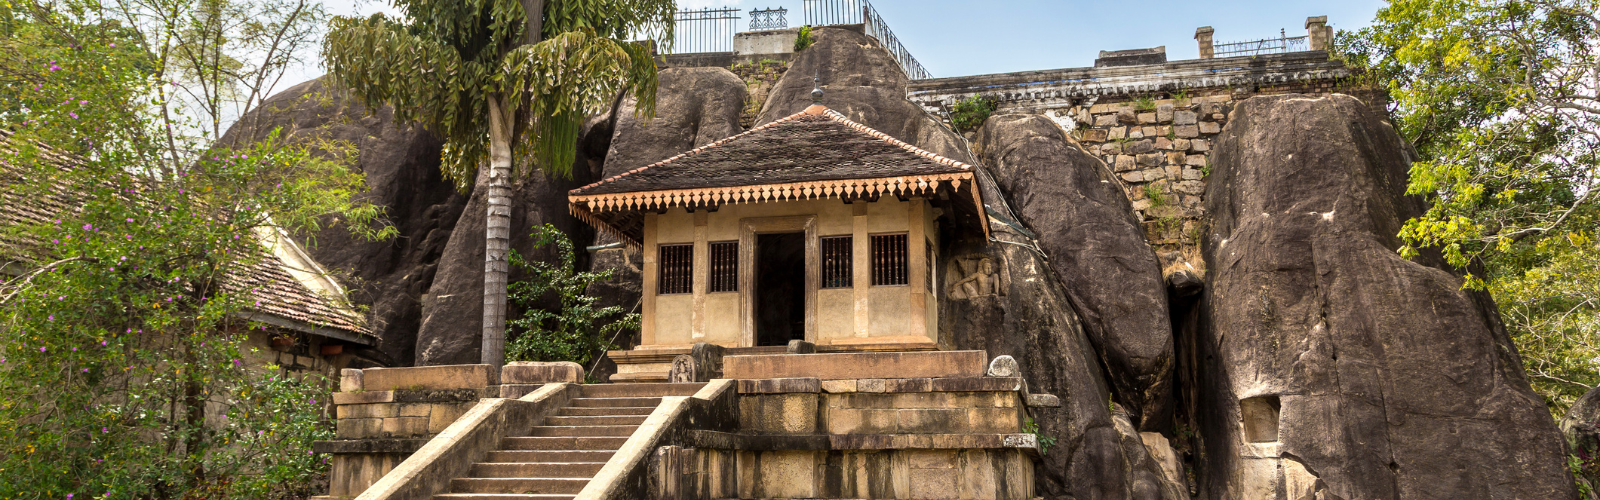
(748, 229)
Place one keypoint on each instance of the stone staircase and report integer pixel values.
(558, 457)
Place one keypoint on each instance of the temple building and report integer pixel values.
(812, 227)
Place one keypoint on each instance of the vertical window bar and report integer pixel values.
(724, 270)
(676, 269)
(889, 259)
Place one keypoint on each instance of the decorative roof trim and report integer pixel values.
(759, 193)
(813, 110)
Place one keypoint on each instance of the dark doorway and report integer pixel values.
(780, 288)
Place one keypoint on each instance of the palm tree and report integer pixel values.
(501, 87)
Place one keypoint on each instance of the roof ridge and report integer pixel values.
(695, 151)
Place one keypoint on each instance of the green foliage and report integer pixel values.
(803, 39)
(1499, 100)
(1045, 442)
(120, 343)
(574, 331)
(970, 113)
(1153, 192)
(453, 60)
(1144, 103)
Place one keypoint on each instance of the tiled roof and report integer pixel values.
(275, 293)
(813, 145)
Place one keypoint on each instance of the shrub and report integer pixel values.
(804, 39)
(575, 332)
(970, 113)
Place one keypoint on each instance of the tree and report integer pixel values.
(122, 370)
(1502, 100)
(501, 87)
(579, 330)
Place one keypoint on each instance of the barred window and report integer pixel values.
(724, 266)
(889, 259)
(928, 260)
(837, 264)
(677, 266)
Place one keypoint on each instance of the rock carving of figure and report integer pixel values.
(979, 282)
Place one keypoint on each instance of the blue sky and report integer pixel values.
(958, 38)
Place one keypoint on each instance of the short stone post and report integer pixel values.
(1318, 33)
(1203, 34)
(703, 363)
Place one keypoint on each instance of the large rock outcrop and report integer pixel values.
(863, 83)
(1096, 247)
(1581, 427)
(694, 107)
(1329, 365)
(401, 165)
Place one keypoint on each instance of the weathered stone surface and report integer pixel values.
(694, 107)
(1581, 426)
(1097, 250)
(531, 372)
(864, 365)
(1393, 382)
(430, 378)
(401, 165)
(863, 83)
(1003, 366)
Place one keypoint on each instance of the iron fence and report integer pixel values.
(769, 19)
(704, 30)
(837, 12)
(1282, 44)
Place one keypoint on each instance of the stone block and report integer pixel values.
(1141, 205)
(1147, 117)
(934, 420)
(788, 474)
(1003, 366)
(1153, 174)
(857, 365)
(1195, 160)
(985, 384)
(1181, 144)
(1186, 131)
(430, 377)
(1219, 117)
(1191, 174)
(1164, 113)
(364, 397)
(1135, 133)
(1125, 163)
(1163, 143)
(1105, 120)
(444, 415)
(405, 426)
(1199, 145)
(1210, 128)
(1044, 401)
(994, 420)
(532, 372)
(1153, 131)
(358, 428)
(779, 385)
(1095, 135)
(376, 410)
(908, 385)
(1134, 176)
(838, 386)
(415, 410)
(794, 413)
(514, 391)
(933, 484)
(1127, 116)
(872, 385)
(1191, 187)
(1139, 147)
(1175, 157)
(349, 380)
(932, 459)
(1184, 117)
(1117, 132)
(862, 421)
(1150, 159)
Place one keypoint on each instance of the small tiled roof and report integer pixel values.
(276, 295)
(812, 145)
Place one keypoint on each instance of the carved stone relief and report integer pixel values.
(975, 275)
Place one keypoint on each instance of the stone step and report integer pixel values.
(601, 411)
(582, 430)
(640, 390)
(639, 377)
(614, 402)
(499, 496)
(533, 456)
(559, 470)
(525, 485)
(563, 443)
(596, 420)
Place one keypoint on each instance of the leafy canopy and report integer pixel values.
(444, 67)
(1502, 102)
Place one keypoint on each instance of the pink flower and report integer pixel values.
(41, 349)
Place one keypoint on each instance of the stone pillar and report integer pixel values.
(1318, 33)
(1203, 34)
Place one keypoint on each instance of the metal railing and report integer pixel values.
(769, 19)
(1282, 44)
(837, 12)
(704, 30)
